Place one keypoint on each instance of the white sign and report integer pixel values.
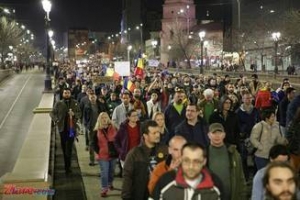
(122, 68)
(153, 63)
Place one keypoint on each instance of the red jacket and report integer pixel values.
(263, 99)
(102, 142)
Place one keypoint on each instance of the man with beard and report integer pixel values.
(175, 111)
(192, 180)
(140, 162)
(65, 114)
(280, 182)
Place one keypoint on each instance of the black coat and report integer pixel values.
(231, 126)
(197, 133)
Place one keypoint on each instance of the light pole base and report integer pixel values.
(48, 85)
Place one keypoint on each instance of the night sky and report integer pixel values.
(96, 15)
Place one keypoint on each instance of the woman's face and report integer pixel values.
(160, 120)
(104, 119)
(271, 120)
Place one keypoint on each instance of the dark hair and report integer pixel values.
(128, 114)
(222, 101)
(278, 165)
(266, 114)
(192, 103)
(289, 90)
(147, 124)
(67, 88)
(194, 146)
(278, 150)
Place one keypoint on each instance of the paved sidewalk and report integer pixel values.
(90, 175)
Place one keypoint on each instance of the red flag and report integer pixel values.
(139, 70)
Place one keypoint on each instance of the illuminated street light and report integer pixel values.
(276, 36)
(47, 8)
(201, 36)
(128, 52)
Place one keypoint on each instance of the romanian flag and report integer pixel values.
(71, 128)
(139, 70)
(128, 85)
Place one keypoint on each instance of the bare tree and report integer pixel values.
(182, 44)
(10, 35)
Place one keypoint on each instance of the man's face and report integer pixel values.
(67, 94)
(247, 98)
(137, 93)
(192, 163)
(93, 98)
(175, 147)
(216, 138)
(191, 112)
(153, 136)
(125, 99)
(230, 88)
(178, 97)
(281, 184)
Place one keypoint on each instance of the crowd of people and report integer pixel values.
(182, 136)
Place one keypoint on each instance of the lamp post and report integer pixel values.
(128, 52)
(47, 8)
(154, 45)
(276, 36)
(201, 36)
(140, 28)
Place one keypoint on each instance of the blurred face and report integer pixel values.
(191, 112)
(281, 185)
(125, 99)
(154, 96)
(178, 97)
(227, 105)
(137, 93)
(153, 136)
(67, 94)
(133, 118)
(230, 88)
(247, 98)
(113, 97)
(281, 158)
(175, 147)
(160, 120)
(93, 98)
(216, 138)
(192, 163)
(104, 119)
(271, 120)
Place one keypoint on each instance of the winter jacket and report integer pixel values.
(172, 186)
(247, 120)
(282, 109)
(173, 118)
(264, 137)
(197, 133)
(136, 171)
(60, 111)
(102, 142)
(231, 126)
(263, 99)
(238, 182)
(121, 140)
(293, 137)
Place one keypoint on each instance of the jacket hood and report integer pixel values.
(206, 182)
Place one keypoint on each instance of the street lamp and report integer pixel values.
(276, 36)
(47, 8)
(154, 44)
(128, 52)
(140, 28)
(201, 36)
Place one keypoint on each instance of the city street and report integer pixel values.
(19, 95)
